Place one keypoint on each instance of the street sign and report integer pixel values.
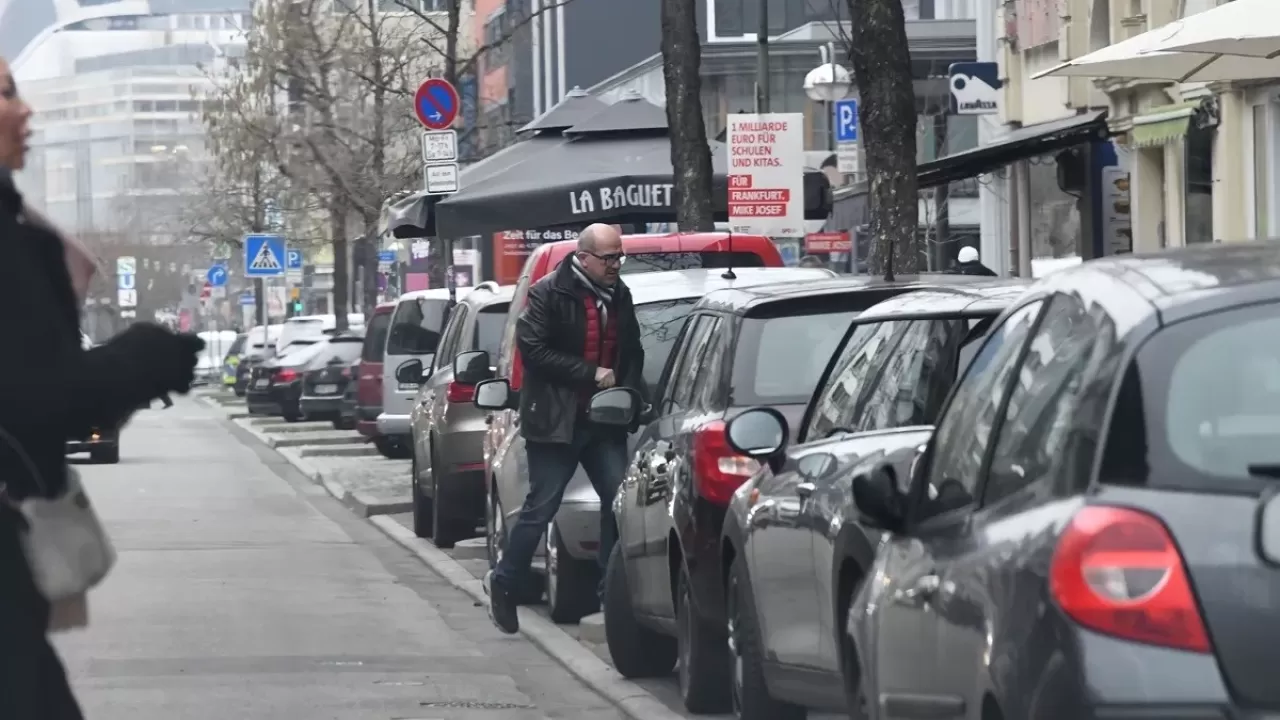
(248, 299)
(127, 298)
(386, 256)
(846, 120)
(127, 282)
(975, 88)
(766, 174)
(439, 146)
(294, 260)
(206, 291)
(848, 159)
(440, 179)
(126, 266)
(436, 104)
(217, 276)
(264, 256)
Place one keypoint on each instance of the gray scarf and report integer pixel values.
(603, 295)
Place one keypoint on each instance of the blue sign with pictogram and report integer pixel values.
(217, 276)
(264, 255)
(846, 120)
(436, 104)
(248, 299)
(294, 260)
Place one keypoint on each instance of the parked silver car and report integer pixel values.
(447, 428)
(662, 300)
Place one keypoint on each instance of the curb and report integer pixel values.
(633, 700)
(363, 504)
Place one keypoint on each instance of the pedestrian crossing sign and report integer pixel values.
(264, 255)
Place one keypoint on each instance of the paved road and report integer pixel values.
(243, 591)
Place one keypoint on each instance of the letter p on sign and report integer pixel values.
(846, 120)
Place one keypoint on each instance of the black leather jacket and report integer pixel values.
(550, 334)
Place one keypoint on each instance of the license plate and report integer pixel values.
(263, 382)
(407, 387)
(326, 389)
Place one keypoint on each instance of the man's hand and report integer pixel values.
(604, 378)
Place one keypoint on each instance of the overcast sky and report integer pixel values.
(18, 26)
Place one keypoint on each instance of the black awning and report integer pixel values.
(1020, 144)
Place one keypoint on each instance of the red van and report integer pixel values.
(645, 253)
(369, 371)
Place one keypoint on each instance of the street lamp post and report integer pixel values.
(826, 84)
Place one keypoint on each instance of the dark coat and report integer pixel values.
(51, 390)
(975, 268)
(551, 334)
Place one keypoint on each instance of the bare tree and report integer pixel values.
(690, 153)
(881, 63)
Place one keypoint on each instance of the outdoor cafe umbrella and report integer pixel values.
(1147, 57)
(414, 215)
(1241, 28)
(614, 167)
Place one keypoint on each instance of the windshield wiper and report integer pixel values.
(1267, 470)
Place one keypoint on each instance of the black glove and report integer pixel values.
(167, 359)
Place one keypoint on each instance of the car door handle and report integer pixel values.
(805, 490)
(926, 589)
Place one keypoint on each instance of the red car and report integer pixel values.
(369, 371)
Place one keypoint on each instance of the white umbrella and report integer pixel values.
(1242, 28)
(1139, 59)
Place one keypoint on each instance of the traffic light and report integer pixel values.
(295, 300)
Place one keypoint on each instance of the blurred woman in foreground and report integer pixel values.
(51, 389)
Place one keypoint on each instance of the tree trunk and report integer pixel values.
(341, 274)
(887, 114)
(690, 153)
(370, 240)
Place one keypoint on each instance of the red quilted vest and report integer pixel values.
(600, 348)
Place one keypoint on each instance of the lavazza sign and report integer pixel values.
(606, 199)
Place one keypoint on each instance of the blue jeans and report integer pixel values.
(602, 452)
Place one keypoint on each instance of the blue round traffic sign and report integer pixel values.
(217, 276)
(436, 104)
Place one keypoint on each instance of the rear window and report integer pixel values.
(344, 351)
(416, 327)
(489, 325)
(660, 324)
(238, 346)
(659, 262)
(1210, 389)
(779, 360)
(375, 338)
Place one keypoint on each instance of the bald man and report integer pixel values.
(577, 335)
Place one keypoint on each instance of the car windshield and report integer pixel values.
(780, 359)
(641, 262)
(344, 350)
(489, 325)
(416, 328)
(660, 324)
(300, 353)
(238, 346)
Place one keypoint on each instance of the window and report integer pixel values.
(660, 324)
(345, 351)
(658, 262)
(415, 330)
(507, 352)
(489, 325)
(707, 386)
(833, 408)
(779, 360)
(964, 430)
(375, 339)
(448, 348)
(1043, 401)
(693, 348)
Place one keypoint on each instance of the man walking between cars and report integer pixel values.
(577, 335)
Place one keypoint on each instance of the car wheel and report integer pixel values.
(573, 585)
(448, 529)
(704, 656)
(388, 448)
(750, 694)
(106, 454)
(422, 511)
(637, 651)
(240, 392)
(495, 532)
(850, 667)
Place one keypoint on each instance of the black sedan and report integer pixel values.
(329, 377)
(275, 385)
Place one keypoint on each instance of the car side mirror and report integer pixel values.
(410, 372)
(472, 368)
(616, 406)
(495, 395)
(881, 504)
(760, 433)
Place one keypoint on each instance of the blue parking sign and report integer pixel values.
(846, 120)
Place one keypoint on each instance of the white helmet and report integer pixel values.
(967, 255)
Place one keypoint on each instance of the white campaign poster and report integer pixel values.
(766, 174)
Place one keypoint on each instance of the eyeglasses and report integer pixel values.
(610, 259)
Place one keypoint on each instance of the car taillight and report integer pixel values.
(717, 470)
(459, 393)
(284, 375)
(1119, 572)
(346, 372)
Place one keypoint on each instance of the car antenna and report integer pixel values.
(728, 273)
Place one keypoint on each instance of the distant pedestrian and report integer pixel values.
(577, 335)
(812, 261)
(968, 263)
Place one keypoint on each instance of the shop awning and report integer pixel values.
(1162, 125)
(1018, 145)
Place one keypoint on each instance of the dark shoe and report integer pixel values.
(502, 605)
